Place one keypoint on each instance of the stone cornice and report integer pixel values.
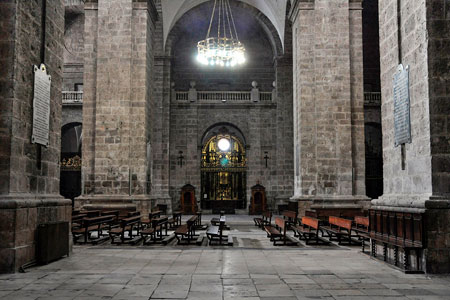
(298, 5)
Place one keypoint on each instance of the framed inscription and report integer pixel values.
(41, 106)
(402, 118)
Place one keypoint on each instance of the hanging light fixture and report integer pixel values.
(225, 49)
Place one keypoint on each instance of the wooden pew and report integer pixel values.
(186, 232)
(175, 221)
(279, 232)
(400, 230)
(361, 228)
(290, 217)
(76, 220)
(215, 232)
(340, 229)
(89, 225)
(126, 225)
(310, 231)
(265, 219)
(156, 230)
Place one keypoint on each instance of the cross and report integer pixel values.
(180, 159)
(266, 157)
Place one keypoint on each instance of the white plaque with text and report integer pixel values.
(402, 118)
(41, 106)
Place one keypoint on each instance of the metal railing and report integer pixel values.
(372, 99)
(232, 96)
(72, 97)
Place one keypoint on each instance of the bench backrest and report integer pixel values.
(281, 223)
(311, 222)
(362, 221)
(191, 221)
(291, 215)
(78, 217)
(341, 223)
(91, 213)
(133, 214)
(311, 213)
(267, 214)
(97, 220)
(130, 221)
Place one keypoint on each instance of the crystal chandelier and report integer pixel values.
(225, 49)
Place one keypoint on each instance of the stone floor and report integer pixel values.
(251, 269)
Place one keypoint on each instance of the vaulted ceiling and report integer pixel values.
(274, 10)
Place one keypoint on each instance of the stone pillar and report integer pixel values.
(29, 174)
(328, 104)
(118, 70)
(423, 185)
(284, 156)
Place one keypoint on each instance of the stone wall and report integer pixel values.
(118, 65)
(328, 103)
(422, 185)
(29, 176)
(257, 122)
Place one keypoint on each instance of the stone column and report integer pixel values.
(118, 70)
(160, 133)
(29, 174)
(328, 104)
(423, 185)
(284, 156)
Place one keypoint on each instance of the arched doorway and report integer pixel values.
(223, 172)
(70, 182)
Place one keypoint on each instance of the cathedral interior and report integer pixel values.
(212, 134)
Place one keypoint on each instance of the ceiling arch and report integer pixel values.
(274, 10)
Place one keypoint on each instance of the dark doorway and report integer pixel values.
(70, 182)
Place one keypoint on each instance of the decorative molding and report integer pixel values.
(298, 5)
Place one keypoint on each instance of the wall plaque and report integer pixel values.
(402, 119)
(41, 106)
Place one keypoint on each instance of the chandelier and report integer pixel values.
(225, 49)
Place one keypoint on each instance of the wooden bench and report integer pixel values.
(215, 232)
(341, 229)
(91, 213)
(290, 217)
(151, 215)
(126, 225)
(186, 232)
(277, 233)
(310, 231)
(77, 219)
(361, 228)
(175, 221)
(265, 219)
(89, 225)
(155, 231)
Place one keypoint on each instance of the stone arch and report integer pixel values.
(267, 25)
(209, 132)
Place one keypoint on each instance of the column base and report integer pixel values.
(20, 216)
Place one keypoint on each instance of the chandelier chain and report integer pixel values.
(232, 19)
(225, 49)
(212, 19)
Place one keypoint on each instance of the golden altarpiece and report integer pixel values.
(223, 172)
